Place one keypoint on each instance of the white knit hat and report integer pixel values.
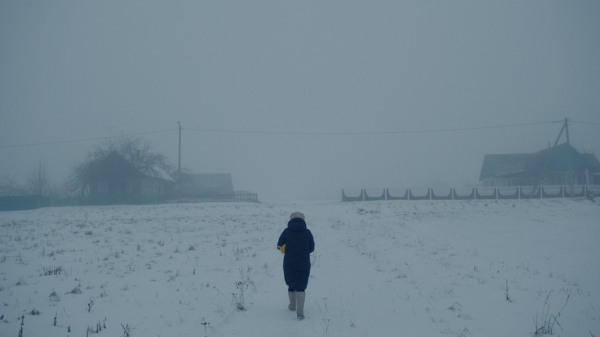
(297, 215)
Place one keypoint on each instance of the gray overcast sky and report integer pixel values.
(70, 70)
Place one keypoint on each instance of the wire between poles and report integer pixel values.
(81, 140)
(369, 133)
(578, 122)
(300, 133)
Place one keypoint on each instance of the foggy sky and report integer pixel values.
(72, 70)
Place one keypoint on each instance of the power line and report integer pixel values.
(294, 133)
(369, 133)
(53, 143)
(578, 122)
(81, 140)
(148, 132)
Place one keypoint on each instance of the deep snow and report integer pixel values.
(388, 268)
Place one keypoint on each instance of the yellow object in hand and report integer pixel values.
(281, 248)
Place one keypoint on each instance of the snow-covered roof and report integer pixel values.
(162, 174)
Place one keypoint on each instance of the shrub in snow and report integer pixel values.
(75, 291)
(325, 325)
(52, 271)
(546, 325)
(125, 329)
(238, 299)
(205, 323)
(21, 330)
(54, 297)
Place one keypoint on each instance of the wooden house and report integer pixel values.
(206, 185)
(114, 180)
(558, 165)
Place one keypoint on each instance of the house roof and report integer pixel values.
(496, 165)
(592, 161)
(162, 174)
(559, 158)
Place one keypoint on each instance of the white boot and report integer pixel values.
(292, 296)
(300, 296)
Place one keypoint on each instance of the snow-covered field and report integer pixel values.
(389, 268)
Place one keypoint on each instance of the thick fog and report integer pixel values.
(298, 100)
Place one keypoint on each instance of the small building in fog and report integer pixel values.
(206, 185)
(558, 165)
(114, 180)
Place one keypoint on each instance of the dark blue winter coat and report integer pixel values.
(299, 243)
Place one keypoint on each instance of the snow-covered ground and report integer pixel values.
(389, 268)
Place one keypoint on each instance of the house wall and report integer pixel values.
(207, 184)
(153, 187)
(564, 178)
(551, 178)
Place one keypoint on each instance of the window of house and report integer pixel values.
(102, 188)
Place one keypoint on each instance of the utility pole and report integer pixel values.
(554, 148)
(567, 130)
(110, 134)
(560, 134)
(179, 164)
(571, 180)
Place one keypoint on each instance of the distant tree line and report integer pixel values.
(136, 151)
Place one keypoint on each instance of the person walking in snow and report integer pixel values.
(296, 242)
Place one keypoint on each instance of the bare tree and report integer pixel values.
(139, 153)
(38, 181)
(136, 151)
(70, 185)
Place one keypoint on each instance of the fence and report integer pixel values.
(237, 196)
(18, 203)
(473, 193)
(23, 202)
